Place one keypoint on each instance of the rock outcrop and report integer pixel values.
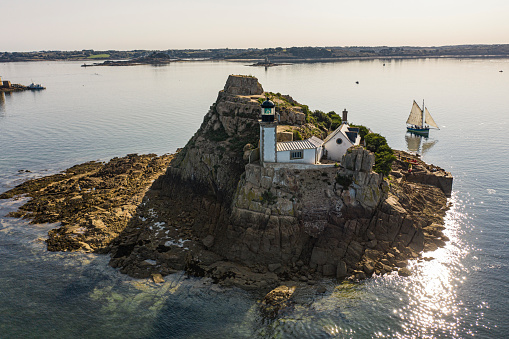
(413, 169)
(253, 225)
(276, 301)
(215, 213)
(93, 201)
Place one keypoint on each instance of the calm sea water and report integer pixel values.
(100, 112)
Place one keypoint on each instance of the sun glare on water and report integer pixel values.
(433, 307)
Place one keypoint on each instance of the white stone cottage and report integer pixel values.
(309, 151)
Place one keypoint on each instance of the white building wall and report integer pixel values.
(335, 151)
(319, 154)
(268, 144)
(308, 157)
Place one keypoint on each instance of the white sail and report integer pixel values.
(428, 119)
(415, 117)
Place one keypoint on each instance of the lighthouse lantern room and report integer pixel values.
(268, 128)
(268, 111)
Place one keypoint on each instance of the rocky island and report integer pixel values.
(154, 58)
(215, 211)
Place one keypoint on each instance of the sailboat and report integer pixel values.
(419, 121)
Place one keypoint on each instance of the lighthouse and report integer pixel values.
(268, 131)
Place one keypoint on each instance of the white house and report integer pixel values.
(309, 151)
(340, 140)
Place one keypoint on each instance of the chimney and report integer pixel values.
(345, 115)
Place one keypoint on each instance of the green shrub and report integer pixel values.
(363, 130)
(297, 135)
(217, 135)
(384, 155)
(344, 180)
(322, 119)
(268, 198)
(374, 141)
(335, 120)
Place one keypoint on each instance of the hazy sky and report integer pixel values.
(33, 25)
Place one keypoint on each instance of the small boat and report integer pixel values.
(419, 121)
(35, 86)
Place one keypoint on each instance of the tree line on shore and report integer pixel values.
(276, 53)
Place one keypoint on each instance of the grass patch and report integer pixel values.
(99, 56)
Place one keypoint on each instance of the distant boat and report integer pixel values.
(419, 121)
(35, 86)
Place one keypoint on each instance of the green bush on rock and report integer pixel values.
(384, 155)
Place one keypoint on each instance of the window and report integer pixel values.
(339, 141)
(296, 154)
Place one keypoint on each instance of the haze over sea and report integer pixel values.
(98, 113)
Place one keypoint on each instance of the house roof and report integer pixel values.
(347, 131)
(352, 136)
(309, 143)
(336, 131)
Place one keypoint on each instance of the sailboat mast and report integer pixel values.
(423, 116)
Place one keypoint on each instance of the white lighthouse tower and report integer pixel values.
(268, 130)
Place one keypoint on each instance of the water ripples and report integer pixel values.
(83, 116)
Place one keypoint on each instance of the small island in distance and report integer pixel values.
(276, 55)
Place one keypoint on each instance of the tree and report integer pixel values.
(384, 155)
(335, 118)
(363, 130)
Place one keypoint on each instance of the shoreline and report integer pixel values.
(277, 60)
(97, 214)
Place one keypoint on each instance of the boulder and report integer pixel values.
(404, 272)
(329, 270)
(341, 270)
(208, 241)
(276, 300)
(157, 278)
(243, 85)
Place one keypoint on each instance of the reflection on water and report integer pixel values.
(2, 104)
(434, 308)
(460, 293)
(82, 289)
(419, 144)
(428, 304)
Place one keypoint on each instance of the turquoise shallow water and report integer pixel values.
(102, 112)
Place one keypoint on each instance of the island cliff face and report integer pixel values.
(217, 212)
(214, 214)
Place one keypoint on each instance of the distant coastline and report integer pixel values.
(276, 55)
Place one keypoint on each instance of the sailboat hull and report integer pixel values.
(420, 131)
